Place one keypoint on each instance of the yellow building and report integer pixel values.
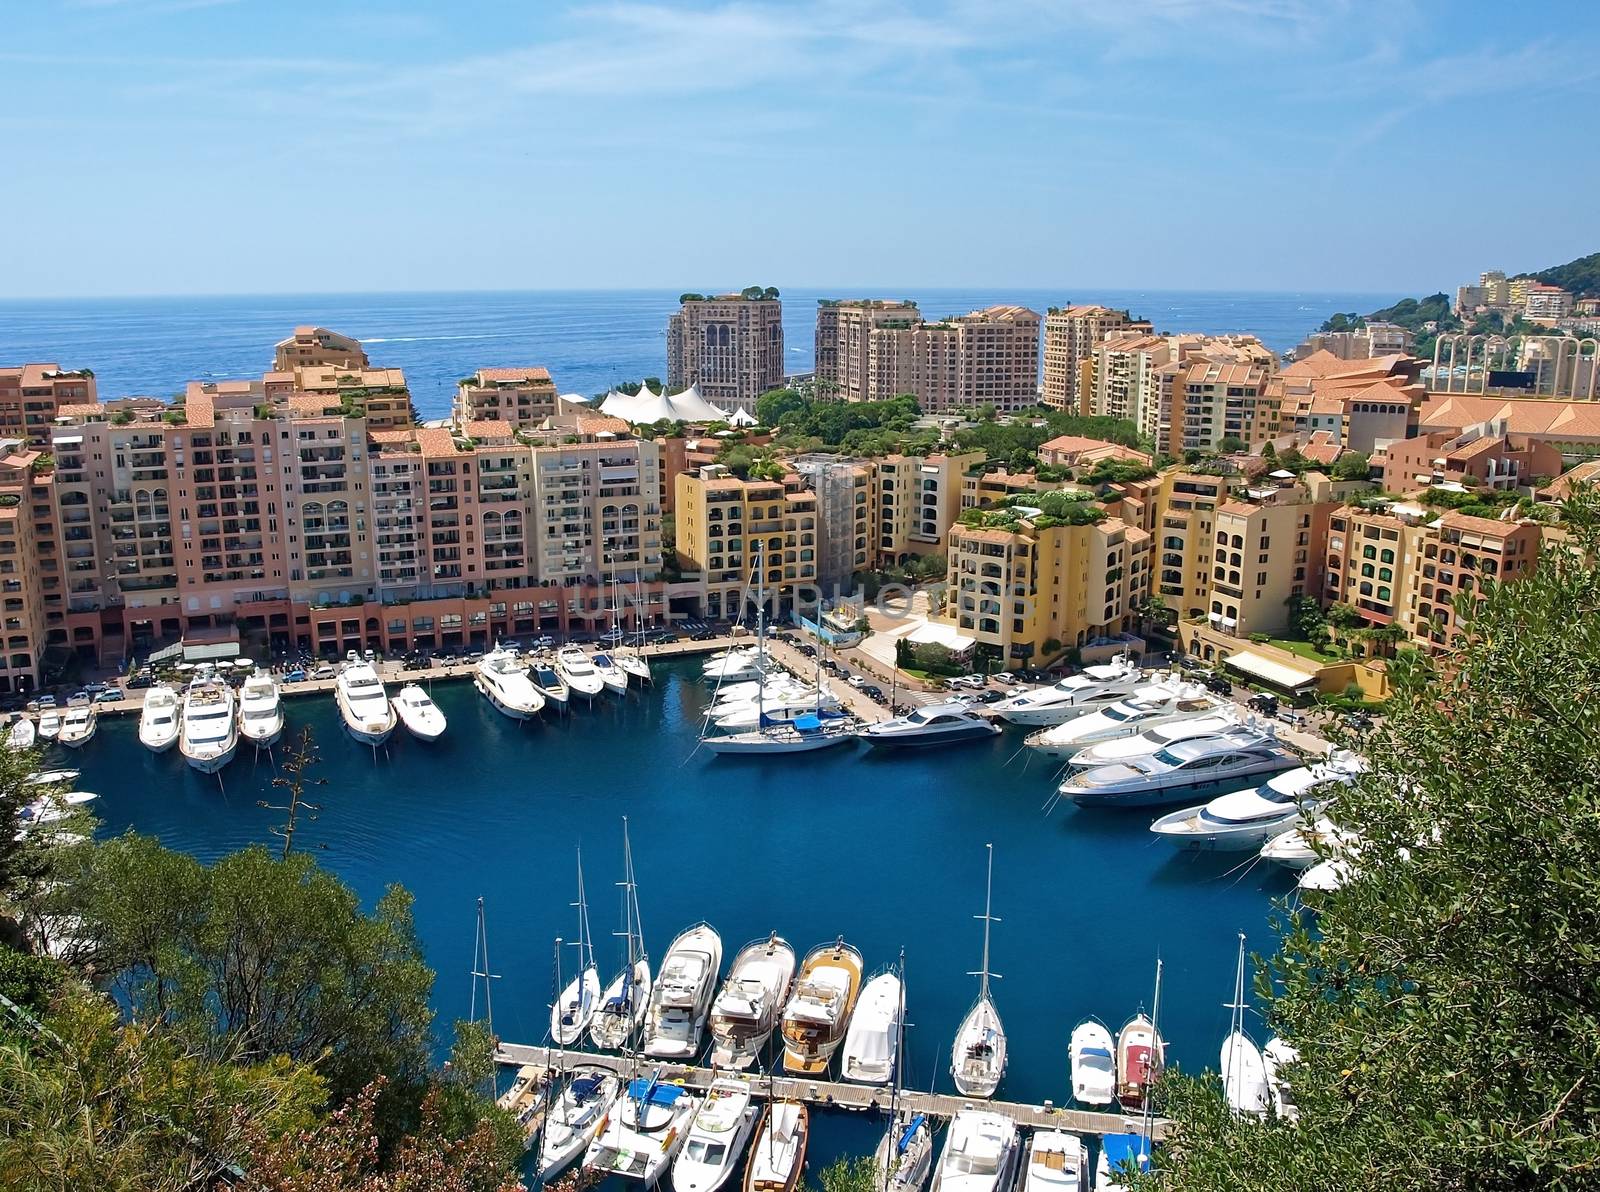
(918, 499)
(724, 523)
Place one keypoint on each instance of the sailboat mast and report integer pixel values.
(1160, 1054)
(761, 640)
(988, 918)
(585, 944)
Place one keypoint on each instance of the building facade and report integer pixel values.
(1071, 335)
(729, 347)
(728, 526)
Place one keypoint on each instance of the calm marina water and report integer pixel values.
(588, 339)
(884, 849)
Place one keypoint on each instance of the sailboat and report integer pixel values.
(778, 1157)
(628, 658)
(622, 1007)
(611, 675)
(576, 1118)
(978, 1056)
(569, 1017)
(1244, 1071)
(904, 1156)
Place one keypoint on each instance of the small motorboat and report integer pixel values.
(1325, 876)
(981, 1153)
(643, 1132)
(1276, 1056)
(574, 1118)
(1055, 1162)
(49, 724)
(1094, 1064)
(418, 714)
(1121, 1156)
(905, 1153)
(872, 1044)
(78, 725)
(158, 719)
(778, 1156)
(1140, 1060)
(52, 778)
(716, 1138)
(22, 734)
(612, 675)
(1297, 848)
(550, 685)
(527, 1100)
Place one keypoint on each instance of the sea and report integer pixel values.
(884, 849)
(590, 340)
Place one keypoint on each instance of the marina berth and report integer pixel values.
(578, 673)
(981, 1154)
(1149, 706)
(722, 1125)
(643, 1133)
(947, 723)
(747, 1007)
(1189, 770)
(363, 705)
(1244, 820)
(681, 998)
(575, 1118)
(1093, 1064)
(1120, 749)
(778, 1155)
(612, 676)
(418, 714)
(1055, 1162)
(502, 680)
(158, 719)
(818, 1013)
(209, 735)
(1093, 688)
(78, 725)
(904, 1157)
(260, 710)
(872, 1044)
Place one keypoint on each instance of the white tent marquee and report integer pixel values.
(649, 406)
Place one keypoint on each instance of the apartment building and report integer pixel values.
(1071, 334)
(517, 396)
(1122, 380)
(726, 525)
(1206, 400)
(29, 567)
(380, 396)
(1546, 304)
(309, 347)
(729, 347)
(1030, 589)
(1361, 343)
(918, 498)
(1458, 554)
(1267, 549)
(1360, 403)
(1182, 510)
(31, 395)
(983, 485)
(1483, 457)
(850, 364)
(845, 489)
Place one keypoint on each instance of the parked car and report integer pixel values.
(543, 642)
(663, 638)
(1357, 721)
(704, 635)
(46, 701)
(108, 695)
(94, 688)
(969, 682)
(297, 675)
(855, 681)
(1290, 717)
(141, 680)
(991, 696)
(1005, 677)
(324, 671)
(808, 651)
(1264, 703)
(873, 691)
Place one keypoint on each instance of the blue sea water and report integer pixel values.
(885, 850)
(588, 339)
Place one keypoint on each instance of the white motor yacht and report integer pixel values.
(1055, 1162)
(49, 724)
(550, 685)
(22, 734)
(872, 1044)
(158, 719)
(1093, 688)
(1094, 1065)
(52, 778)
(1325, 876)
(905, 1153)
(502, 680)
(363, 705)
(944, 723)
(643, 1133)
(1158, 703)
(978, 1055)
(574, 1118)
(78, 725)
(208, 735)
(418, 714)
(50, 808)
(1244, 820)
(738, 665)
(1277, 1055)
(1120, 749)
(260, 710)
(717, 1136)
(818, 1013)
(681, 999)
(1183, 772)
(778, 1155)
(611, 675)
(747, 1007)
(1296, 848)
(578, 673)
(1141, 1059)
(772, 689)
(981, 1153)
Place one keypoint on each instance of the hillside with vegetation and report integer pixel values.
(1580, 277)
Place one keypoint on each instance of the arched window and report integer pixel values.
(1387, 556)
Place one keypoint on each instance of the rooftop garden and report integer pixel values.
(1054, 509)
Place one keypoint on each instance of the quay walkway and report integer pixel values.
(823, 1094)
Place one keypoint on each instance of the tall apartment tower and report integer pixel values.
(847, 364)
(1071, 334)
(729, 347)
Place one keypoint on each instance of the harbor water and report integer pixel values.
(884, 849)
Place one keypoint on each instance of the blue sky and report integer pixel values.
(234, 146)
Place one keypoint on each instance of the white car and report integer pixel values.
(856, 681)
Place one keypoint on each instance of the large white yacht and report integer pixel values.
(1182, 772)
(578, 673)
(78, 725)
(1295, 848)
(418, 713)
(944, 723)
(681, 999)
(363, 705)
(872, 1044)
(643, 1133)
(1092, 688)
(716, 1138)
(611, 675)
(209, 735)
(260, 710)
(1246, 819)
(158, 719)
(738, 665)
(1157, 703)
(504, 682)
(981, 1152)
(746, 1009)
(1120, 749)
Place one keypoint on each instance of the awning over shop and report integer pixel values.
(1277, 673)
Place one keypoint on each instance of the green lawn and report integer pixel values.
(1303, 649)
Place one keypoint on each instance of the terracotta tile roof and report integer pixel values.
(199, 410)
(387, 437)
(1321, 453)
(86, 410)
(490, 376)
(1588, 472)
(1479, 525)
(1063, 443)
(1562, 421)
(595, 424)
(436, 443)
(314, 403)
(483, 429)
(34, 375)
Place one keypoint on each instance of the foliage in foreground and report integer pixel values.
(1446, 1002)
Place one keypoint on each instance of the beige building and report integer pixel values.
(729, 347)
(519, 396)
(1071, 335)
(918, 499)
(30, 578)
(380, 396)
(846, 491)
(1123, 380)
(1546, 304)
(847, 365)
(31, 394)
(726, 525)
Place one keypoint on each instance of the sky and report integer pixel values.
(280, 146)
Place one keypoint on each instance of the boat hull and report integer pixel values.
(496, 701)
(1162, 795)
(211, 763)
(1232, 838)
(750, 744)
(964, 735)
(266, 739)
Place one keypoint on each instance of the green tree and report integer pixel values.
(851, 1174)
(1229, 444)
(772, 405)
(1446, 1000)
(1352, 465)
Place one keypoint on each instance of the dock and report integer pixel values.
(826, 1094)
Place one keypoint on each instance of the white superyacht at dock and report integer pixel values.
(418, 714)
(1158, 703)
(1189, 770)
(578, 673)
(158, 719)
(1094, 687)
(504, 682)
(1152, 740)
(209, 735)
(747, 1007)
(260, 710)
(1246, 819)
(945, 723)
(363, 705)
(681, 999)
